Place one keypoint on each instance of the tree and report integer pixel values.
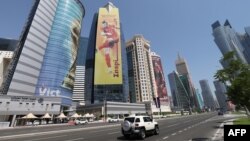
(237, 77)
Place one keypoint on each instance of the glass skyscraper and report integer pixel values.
(106, 67)
(44, 62)
(228, 40)
(181, 98)
(207, 95)
(220, 92)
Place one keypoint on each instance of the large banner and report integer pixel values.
(108, 64)
(159, 77)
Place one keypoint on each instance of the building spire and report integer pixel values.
(179, 56)
(109, 6)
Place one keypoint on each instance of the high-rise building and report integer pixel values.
(44, 62)
(200, 99)
(159, 82)
(228, 40)
(220, 92)
(181, 98)
(106, 67)
(5, 59)
(182, 69)
(79, 85)
(139, 70)
(8, 44)
(207, 95)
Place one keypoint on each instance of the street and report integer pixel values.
(174, 129)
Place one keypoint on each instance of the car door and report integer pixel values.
(148, 123)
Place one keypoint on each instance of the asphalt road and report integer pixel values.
(175, 129)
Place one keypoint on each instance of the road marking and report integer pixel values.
(180, 131)
(53, 132)
(75, 139)
(47, 138)
(165, 137)
(113, 133)
(173, 125)
(185, 129)
(173, 134)
(218, 130)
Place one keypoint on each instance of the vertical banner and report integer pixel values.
(159, 77)
(108, 64)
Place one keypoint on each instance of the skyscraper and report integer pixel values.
(220, 92)
(207, 95)
(159, 81)
(200, 99)
(228, 40)
(181, 98)
(7, 46)
(106, 75)
(79, 85)
(44, 62)
(139, 70)
(182, 69)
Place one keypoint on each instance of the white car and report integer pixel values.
(139, 125)
(81, 122)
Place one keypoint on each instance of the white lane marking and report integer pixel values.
(217, 132)
(185, 129)
(173, 134)
(165, 137)
(54, 132)
(101, 130)
(75, 139)
(113, 133)
(180, 131)
(173, 125)
(47, 138)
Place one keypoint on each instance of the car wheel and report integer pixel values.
(157, 131)
(142, 134)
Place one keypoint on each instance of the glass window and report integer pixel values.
(137, 120)
(147, 119)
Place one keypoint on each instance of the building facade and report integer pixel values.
(180, 96)
(207, 95)
(106, 75)
(220, 92)
(5, 59)
(79, 84)
(200, 99)
(44, 62)
(8, 44)
(140, 70)
(227, 39)
(183, 71)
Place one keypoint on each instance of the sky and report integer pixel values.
(171, 26)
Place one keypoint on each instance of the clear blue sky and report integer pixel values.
(172, 26)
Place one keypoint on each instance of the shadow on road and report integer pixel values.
(201, 139)
(132, 137)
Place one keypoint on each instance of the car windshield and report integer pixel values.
(130, 119)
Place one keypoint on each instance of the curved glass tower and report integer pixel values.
(45, 60)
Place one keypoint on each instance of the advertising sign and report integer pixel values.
(108, 64)
(159, 77)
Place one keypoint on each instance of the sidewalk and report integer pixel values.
(219, 135)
